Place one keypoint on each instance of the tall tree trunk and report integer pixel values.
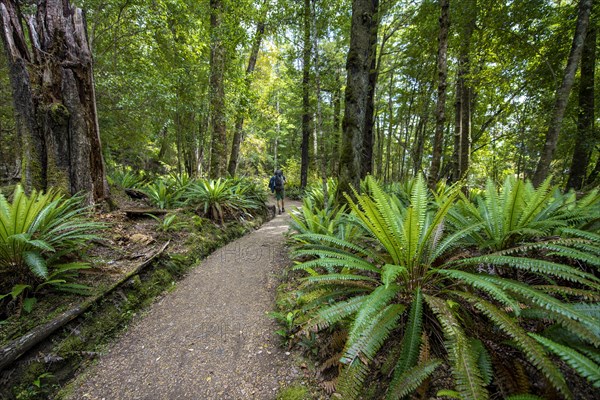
(239, 121)
(380, 141)
(463, 104)
(218, 147)
(440, 109)
(358, 66)
(53, 91)
(591, 179)
(336, 99)
(585, 141)
(306, 112)
(562, 94)
(420, 140)
(319, 125)
(368, 139)
(390, 130)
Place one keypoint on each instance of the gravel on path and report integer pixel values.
(211, 337)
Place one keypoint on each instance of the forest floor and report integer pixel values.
(210, 338)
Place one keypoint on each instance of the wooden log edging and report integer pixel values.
(15, 349)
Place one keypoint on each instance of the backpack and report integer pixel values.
(278, 182)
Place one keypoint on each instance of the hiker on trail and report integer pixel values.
(276, 185)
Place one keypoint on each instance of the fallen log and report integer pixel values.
(141, 212)
(136, 193)
(15, 349)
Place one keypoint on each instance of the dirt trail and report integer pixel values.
(208, 339)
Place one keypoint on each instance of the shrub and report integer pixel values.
(163, 194)
(220, 198)
(37, 233)
(411, 285)
(126, 180)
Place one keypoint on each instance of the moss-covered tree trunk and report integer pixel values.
(562, 94)
(464, 96)
(358, 67)
(239, 121)
(306, 110)
(440, 109)
(585, 141)
(218, 147)
(366, 164)
(53, 92)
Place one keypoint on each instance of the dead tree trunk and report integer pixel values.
(53, 92)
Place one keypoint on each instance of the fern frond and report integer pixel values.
(589, 295)
(330, 315)
(365, 345)
(411, 339)
(594, 237)
(351, 380)
(536, 355)
(533, 265)
(465, 371)
(391, 272)
(324, 295)
(338, 278)
(478, 282)
(334, 259)
(484, 360)
(454, 240)
(534, 205)
(411, 379)
(372, 305)
(335, 241)
(541, 299)
(587, 333)
(580, 363)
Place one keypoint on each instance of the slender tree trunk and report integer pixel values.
(358, 66)
(380, 141)
(336, 99)
(562, 94)
(53, 92)
(306, 112)
(440, 109)
(218, 157)
(463, 104)
(591, 179)
(367, 150)
(585, 141)
(239, 122)
(390, 130)
(319, 125)
(420, 141)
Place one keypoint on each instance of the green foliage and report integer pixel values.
(516, 212)
(162, 193)
(169, 223)
(36, 233)
(409, 265)
(294, 393)
(126, 180)
(221, 198)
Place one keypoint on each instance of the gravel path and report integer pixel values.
(208, 339)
